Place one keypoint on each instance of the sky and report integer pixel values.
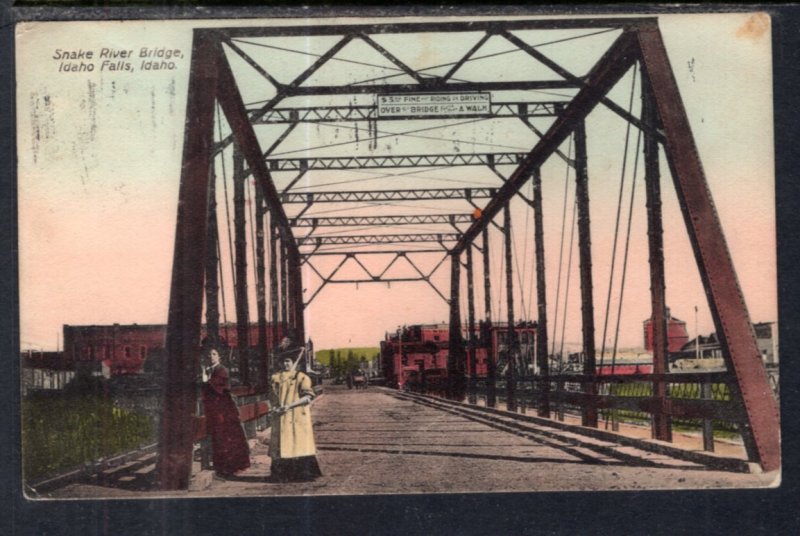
(100, 152)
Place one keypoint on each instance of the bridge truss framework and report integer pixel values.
(663, 123)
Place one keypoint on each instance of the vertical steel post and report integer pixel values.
(589, 415)
(455, 355)
(186, 290)
(486, 336)
(541, 298)
(261, 291)
(285, 319)
(511, 333)
(290, 301)
(473, 365)
(273, 285)
(212, 263)
(240, 248)
(761, 424)
(708, 424)
(296, 295)
(660, 422)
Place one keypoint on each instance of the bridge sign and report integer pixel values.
(434, 104)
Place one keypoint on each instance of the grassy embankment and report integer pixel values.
(368, 353)
(61, 433)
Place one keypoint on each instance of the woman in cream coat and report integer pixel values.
(291, 446)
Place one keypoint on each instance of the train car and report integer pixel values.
(625, 368)
(407, 354)
(625, 362)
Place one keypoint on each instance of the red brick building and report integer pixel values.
(677, 336)
(426, 347)
(123, 349)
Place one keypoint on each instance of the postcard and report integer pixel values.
(397, 255)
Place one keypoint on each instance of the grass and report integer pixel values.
(60, 433)
(719, 391)
(368, 352)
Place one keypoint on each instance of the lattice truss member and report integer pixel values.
(355, 154)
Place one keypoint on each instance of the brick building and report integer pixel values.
(123, 349)
(677, 335)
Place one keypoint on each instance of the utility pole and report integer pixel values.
(696, 336)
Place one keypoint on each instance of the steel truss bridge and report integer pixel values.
(283, 236)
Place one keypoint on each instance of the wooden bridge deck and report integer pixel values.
(377, 441)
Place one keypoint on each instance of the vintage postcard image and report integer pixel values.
(329, 256)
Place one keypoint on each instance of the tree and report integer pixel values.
(352, 362)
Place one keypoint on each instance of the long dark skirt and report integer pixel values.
(230, 452)
(295, 469)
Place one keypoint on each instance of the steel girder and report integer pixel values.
(377, 239)
(240, 273)
(472, 347)
(491, 376)
(512, 346)
(434, 86)
(345, 221)
(455, 354)
(403, 252)
(389, 195)
(376, 277)
(541, 297)
(394, 161)
(186, 288)
(661, 421)
(589, 413)
(331, 114)
(494, 26)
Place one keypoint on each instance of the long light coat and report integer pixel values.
(292, 434)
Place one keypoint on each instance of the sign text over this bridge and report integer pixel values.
(434, 104)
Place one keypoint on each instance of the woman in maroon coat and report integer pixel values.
(228, 443)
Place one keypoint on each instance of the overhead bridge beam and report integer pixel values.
(431, 85)
(377, 239)
(397, 161)
(402, 253)
(493, 26)
(329, 114)
(389, 195)
(345, 221)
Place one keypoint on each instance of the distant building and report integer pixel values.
(677, 335)
(45, 371)
(122, 350)
(707, 347)
(767, 341)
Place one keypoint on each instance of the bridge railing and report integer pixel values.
(695, 401)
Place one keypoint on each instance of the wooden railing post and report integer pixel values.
(708, 424)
